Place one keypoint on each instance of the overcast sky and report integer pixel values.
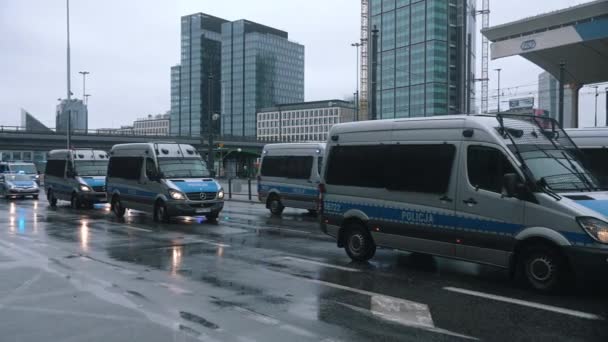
(128, 47)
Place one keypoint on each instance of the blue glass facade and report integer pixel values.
(425, 57)
(190, 82)
(260, 68)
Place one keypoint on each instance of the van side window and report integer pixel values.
(274, 166)
(151, 169)
(357, 165)
(297, 167)
(55, 168)
(596, 159)
(125, 167)
(420, 168)
(486, 167)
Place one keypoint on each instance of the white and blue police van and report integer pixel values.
(289, 176)
(505, 190)
(593, 143)
(77, 176)
(21, 167)
(167, 179)
(18, 185)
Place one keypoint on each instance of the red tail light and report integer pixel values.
(321, 188)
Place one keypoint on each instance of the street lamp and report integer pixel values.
(498, 70)
(69, 137)
(357, 45)
(84, 83)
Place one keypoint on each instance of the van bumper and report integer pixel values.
(93, 197)
(181, 208)
(588, 262)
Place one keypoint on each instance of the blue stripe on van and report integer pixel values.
(424, 218)
(312, 191)
(197, 186)
(442, 221)
(131, 191)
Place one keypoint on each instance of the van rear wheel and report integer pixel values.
(117, 207)
(275, 205)
(543, 268)
(358, 243)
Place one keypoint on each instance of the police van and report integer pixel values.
(76, 175)
(167, 179)
(289, 176)
(502, 190)
(24, 168)
(593, 142)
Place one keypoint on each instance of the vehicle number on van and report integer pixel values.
(332, 206)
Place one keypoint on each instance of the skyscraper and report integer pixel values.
(71, 113)
(424, 57)
(548, 98)
(190, 82)
(260, 68)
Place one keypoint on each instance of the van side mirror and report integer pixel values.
(70, 174)
(512, 185)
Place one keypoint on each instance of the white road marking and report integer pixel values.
(140, 229)
(395, 309)
(540, 306)
(209, 242)
(314, 262)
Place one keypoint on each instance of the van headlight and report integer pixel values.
(84, 188)
(220, 194)
(176, 195)
(597, 229)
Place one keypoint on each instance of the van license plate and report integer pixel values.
(203, 210)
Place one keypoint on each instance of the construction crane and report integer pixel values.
(485, 55)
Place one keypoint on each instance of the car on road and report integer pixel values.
(289, 176)
(26, 168)
(18, 185)
(504, 190)
(593, 143)
(76, 175)
(167, 179)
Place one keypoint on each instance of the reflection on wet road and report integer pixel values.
(85, 275)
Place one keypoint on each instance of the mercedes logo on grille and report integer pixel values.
(203, 196)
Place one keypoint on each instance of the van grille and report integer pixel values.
(196, 196)
(99, 188)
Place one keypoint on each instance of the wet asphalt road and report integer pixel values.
(85, 276)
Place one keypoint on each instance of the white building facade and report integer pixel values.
(300, 122)
(152, 125)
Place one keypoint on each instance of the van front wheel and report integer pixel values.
(50, 196)
(543, 268)
(117, 207)
(160, 212)
(358, 243)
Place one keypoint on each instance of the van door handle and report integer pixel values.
(446, 199)
(470, 202)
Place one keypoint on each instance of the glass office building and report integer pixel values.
(190, 82)
(260, 68)
(425, 57)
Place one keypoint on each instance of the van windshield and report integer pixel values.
(28, 169)
(182, 168)
(91, 167)
(559, 170)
